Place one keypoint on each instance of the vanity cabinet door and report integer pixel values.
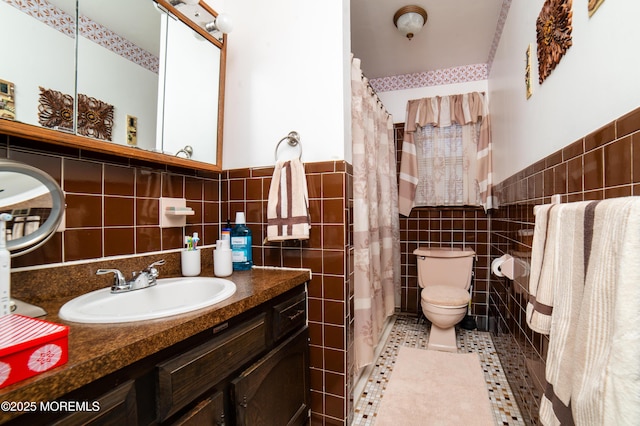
(117, 407)
(208, 412)
(275, 390)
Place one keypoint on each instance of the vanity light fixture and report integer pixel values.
(409, 20)
(222, 23)
(189, 2)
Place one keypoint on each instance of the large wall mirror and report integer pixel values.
(142, 79)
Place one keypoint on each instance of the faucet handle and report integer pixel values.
(152, 270)
(158, 262)
(118, 278)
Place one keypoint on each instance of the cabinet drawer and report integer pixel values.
(117, 407)
(184, 377)
(289, 315)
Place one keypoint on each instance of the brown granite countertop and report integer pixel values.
(96, 350)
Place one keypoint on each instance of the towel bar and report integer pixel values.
(293, 139)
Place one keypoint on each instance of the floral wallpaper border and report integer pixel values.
(431, 78)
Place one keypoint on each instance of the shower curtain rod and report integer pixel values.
(374, 93)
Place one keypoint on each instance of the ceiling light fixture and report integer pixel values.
(409, 20)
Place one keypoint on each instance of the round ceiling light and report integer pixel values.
(409, 20)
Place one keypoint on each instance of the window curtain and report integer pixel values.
(444, 114)
(376, 234)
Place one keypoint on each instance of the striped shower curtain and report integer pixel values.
(376, 235)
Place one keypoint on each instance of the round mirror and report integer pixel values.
(34, 200)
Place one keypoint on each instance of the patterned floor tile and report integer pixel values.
(407, 331)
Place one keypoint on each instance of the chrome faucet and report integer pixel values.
(143, 279)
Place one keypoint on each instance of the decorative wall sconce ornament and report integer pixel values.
(409, 20)
(553, 29)
(593, 6)
(527, 72)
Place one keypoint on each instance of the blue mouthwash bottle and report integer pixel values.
(241, 245)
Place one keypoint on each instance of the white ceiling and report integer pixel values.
(457, 33)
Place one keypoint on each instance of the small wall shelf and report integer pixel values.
(179, 212)
(174, 212)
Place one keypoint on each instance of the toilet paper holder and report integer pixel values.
(508, 266)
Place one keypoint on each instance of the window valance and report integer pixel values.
(443, 111)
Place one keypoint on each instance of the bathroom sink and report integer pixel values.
(170, 296)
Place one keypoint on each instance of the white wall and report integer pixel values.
(595, 82)
(100, 76)
(49, 62)
(286, 70)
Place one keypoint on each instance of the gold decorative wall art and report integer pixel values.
(593, 6)
(95, 118)
(527, 72)
(55, 110)
(553, 30)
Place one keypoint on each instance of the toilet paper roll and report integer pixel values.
(495, 265)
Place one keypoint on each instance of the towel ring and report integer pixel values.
(293, 139)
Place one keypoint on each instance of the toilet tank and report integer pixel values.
(438, 266)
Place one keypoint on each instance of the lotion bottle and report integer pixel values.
(222, 263)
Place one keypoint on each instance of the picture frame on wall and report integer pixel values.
(7, 100)
(593, 5)
(527, 72)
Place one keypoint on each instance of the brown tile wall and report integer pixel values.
(113, 203)
(603, 164)
(328, 253)
(443, 227)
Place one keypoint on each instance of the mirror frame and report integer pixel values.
(34, 240)
(58, 137)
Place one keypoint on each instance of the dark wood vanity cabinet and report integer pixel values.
(267, 389)
(250, 370)
(274, 390)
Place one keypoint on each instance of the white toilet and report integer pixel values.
(445, 277)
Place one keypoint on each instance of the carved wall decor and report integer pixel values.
(527, 72)
(593, 6)
(55, 109)
(95, 118)
(553, 29)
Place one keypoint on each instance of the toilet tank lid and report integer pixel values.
(443, 252)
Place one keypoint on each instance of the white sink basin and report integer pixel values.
(170, 296)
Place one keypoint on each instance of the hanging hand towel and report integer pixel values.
(288, 204)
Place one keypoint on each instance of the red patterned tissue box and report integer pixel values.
(29, 346)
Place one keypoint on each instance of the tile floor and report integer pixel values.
(406, 331)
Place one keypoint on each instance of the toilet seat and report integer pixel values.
(444, 296)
